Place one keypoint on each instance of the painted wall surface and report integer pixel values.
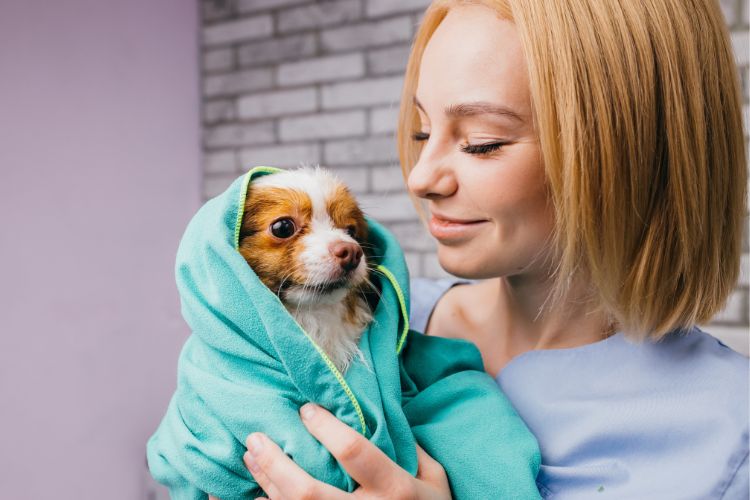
(99, 174)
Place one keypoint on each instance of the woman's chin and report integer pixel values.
(456, 262)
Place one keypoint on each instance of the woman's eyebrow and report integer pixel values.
(475, 108)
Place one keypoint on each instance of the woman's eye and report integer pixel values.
(283, 228)
(481, 149)
(420, 136)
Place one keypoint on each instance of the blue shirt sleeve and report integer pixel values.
(424, 294)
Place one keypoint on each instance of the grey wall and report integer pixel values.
(99, 174)
(289, 81)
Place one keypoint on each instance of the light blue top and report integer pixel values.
(615, 419)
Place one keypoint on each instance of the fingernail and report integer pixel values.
(308, 410)
(254, 444)
(251, 463)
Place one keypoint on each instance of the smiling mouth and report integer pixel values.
(450, 230)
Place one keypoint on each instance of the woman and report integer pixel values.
(585, 159)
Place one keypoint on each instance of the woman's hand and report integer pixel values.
(378, 476)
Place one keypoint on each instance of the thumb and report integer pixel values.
(428, 469)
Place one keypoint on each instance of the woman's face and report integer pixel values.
(473, 94)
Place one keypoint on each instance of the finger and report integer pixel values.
(428, 468)
(364, 461)
(285, 478)
(261, 478)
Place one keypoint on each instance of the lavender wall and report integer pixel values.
(100, 172)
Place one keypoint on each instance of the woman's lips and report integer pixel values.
(452, 229)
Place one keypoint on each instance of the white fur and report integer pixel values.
(338, 338)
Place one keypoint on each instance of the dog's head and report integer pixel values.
(304, 236)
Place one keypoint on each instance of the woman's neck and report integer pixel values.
(519, 310)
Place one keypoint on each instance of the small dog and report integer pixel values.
(305, 237)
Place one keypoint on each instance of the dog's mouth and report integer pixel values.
(331, 286)
(317, 289)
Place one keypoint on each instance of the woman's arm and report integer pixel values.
(377, 475)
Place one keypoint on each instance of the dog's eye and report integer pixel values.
(351, 230)
(283, 228)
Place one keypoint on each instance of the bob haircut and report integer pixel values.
(638, 112)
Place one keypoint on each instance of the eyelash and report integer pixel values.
(477, 149)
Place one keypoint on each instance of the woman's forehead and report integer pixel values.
(474, 56)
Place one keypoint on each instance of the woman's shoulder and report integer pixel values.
(704, 354)
(436, 304)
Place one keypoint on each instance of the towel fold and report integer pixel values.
(248, 366)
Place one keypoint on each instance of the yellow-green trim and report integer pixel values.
(243, 195)
(402, 302)
(336, 373)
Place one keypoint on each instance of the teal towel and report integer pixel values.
(248, 366)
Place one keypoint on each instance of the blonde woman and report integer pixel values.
(583, 159)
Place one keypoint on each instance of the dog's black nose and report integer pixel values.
(347, 254)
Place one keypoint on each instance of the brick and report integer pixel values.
(390, 60)
(363, 93)
(238, 135)
(234, 31)
(354, 177)
(211, 10)
(322, 69)
(218, 60)
(214, 185)
(322, 126)
(431, 267)
(364, 35)
(219, 111)
(384, 120)
(744, 73)
(286, 155)
(729, 9)
(276, 50)
(387, 207)
(387, 178)
(248, 6)
(359, 151)
(377, 8)
(413, 236)
(735, 310)
(222, 162)
(277, 103)
(237, 82)
(318, 15)
(741, 46)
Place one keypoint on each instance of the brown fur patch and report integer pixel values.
(274, 260)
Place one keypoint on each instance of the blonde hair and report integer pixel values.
(637, 108)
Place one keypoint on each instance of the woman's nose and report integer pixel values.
(430, 179)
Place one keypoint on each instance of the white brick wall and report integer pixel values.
(286, 155)
(303, 81)
(277, 103)
(363, 35)
(322, 69)
(323, 126)
(254, 27)
(362, 93)
(237, 82)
